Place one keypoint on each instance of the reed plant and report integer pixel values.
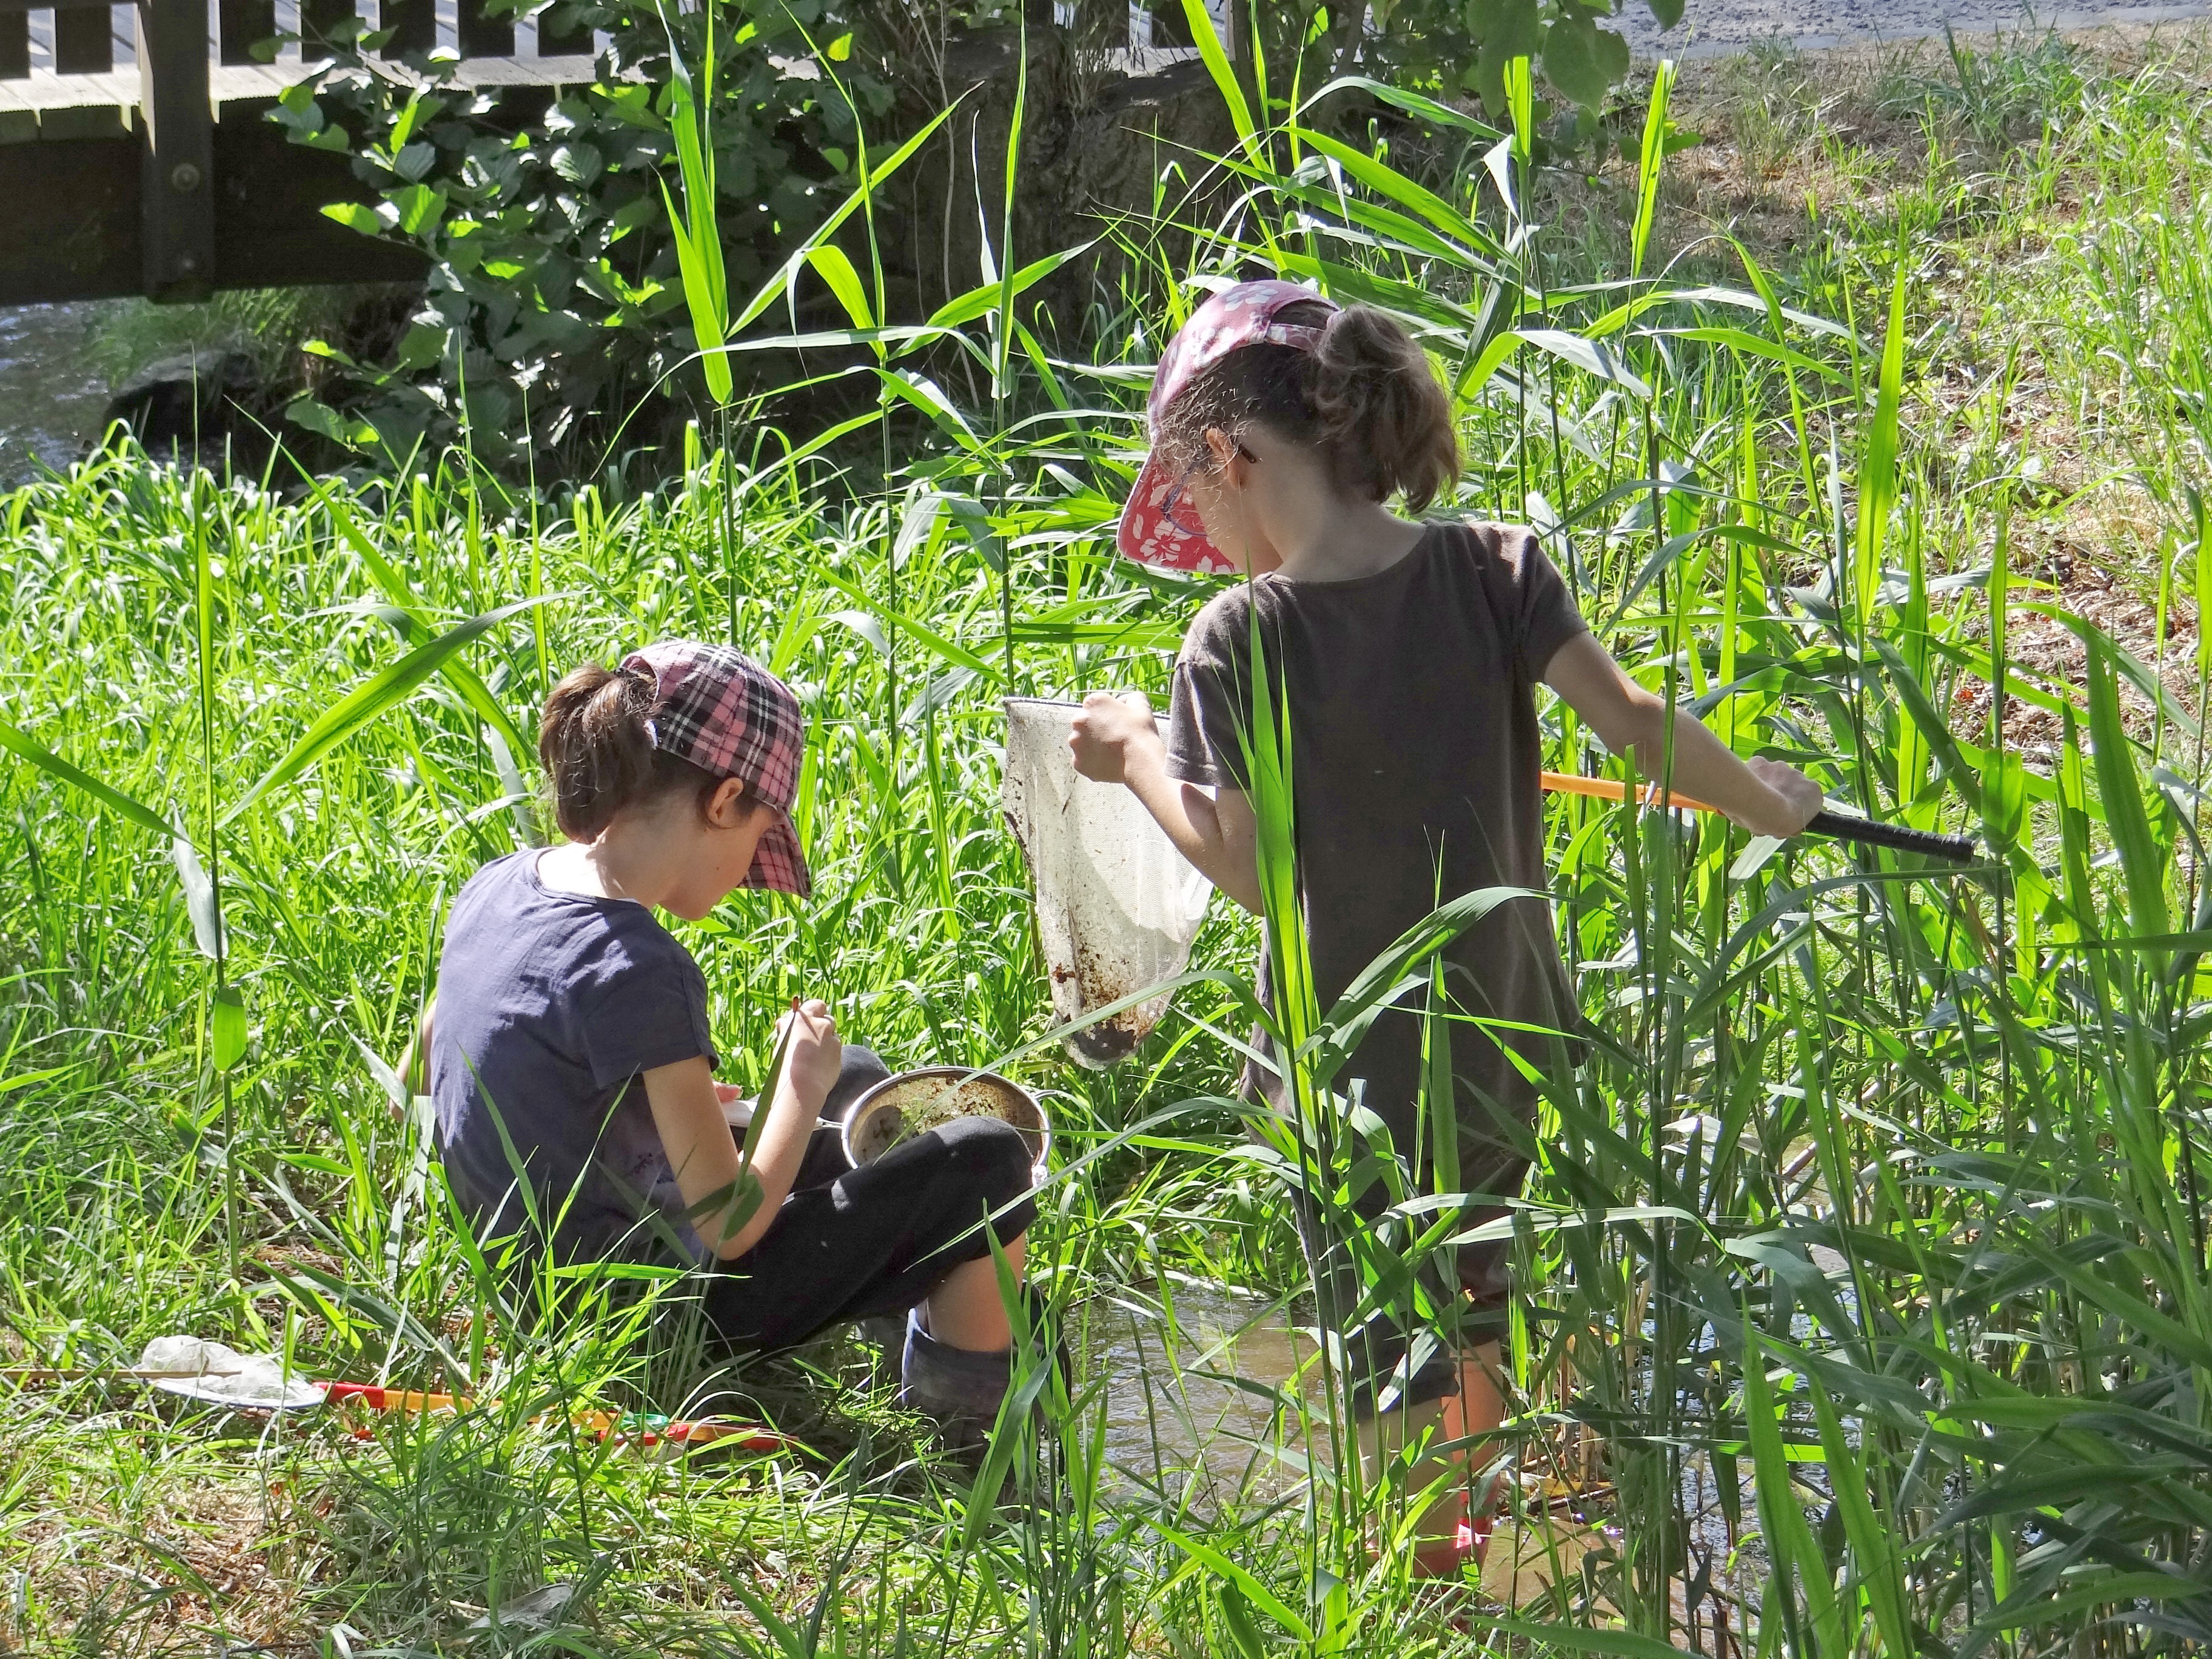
(1866, 1302)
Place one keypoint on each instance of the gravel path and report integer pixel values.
(1712, 28)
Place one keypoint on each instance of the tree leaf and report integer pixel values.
(419, 207)
(354, 216)
(1583, 61)
(1507, 29)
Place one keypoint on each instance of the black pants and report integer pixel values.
(851, 1243)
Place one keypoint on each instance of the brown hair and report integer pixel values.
(595, 742)
(1366, 398)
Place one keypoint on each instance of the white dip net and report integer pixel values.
(1117, 907)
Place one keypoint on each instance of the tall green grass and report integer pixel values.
(1865, 1264)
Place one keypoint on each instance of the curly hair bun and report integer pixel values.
(1380, 410)
(597, 747)
(1367, 398)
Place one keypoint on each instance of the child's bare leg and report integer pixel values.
(1476, 1409)
(965, 1311)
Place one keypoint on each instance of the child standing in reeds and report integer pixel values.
(571, 1062)
(1407, 655)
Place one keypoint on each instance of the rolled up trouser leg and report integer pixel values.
(958, 1388)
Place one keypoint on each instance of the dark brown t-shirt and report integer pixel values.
(1414, 761)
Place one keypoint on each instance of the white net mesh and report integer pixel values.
(1117, 907)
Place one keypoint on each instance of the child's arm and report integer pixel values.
(696, 1136)
(1117, 742)
(1764, 796)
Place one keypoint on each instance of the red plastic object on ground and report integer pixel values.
(641, 1428)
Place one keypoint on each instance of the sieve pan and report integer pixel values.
(915, 1102)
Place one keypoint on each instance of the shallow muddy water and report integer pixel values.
(1195, 1380)
(1190, 1372)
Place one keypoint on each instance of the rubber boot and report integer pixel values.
(886, 1334)
(958, 1389)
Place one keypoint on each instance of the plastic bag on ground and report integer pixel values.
(1117, 907)
(220, 1374)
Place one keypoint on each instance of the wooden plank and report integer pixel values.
(413, 23)
(1170, 26)
(116, 89)
(177, 186)
(236, 83)
(72, 220)
(75, 229)
(270, 229)
(565, 71)
(85, 121)
(230, 83)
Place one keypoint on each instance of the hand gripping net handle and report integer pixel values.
(1957, 850)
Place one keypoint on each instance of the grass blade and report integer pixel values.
(373, 696)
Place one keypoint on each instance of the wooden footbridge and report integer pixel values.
(135, 156)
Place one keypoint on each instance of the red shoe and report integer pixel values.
(1471, 1542)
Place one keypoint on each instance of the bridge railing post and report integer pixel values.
(177, 193)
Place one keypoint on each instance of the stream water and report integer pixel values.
(50, 398)
(1193, 1400)
(1192, 1415)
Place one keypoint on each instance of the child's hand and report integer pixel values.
(1796, 799)
(1104, 732)
(815, 1056)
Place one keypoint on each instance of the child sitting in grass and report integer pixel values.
(1408, 656)
(571, 1050)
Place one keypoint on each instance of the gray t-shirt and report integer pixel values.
(549, 1007)
(1415, 758)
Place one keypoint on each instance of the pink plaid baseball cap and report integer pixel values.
(1158, 526)
(717, 708)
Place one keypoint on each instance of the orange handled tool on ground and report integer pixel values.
(1957, 850)
(644, 1428)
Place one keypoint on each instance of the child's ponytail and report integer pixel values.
(1366, 398)
(596, 741)
(1379, 410)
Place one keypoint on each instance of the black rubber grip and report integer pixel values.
(1959, 849)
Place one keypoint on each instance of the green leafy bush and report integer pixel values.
(554, 296)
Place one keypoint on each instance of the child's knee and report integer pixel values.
(992, 1152)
